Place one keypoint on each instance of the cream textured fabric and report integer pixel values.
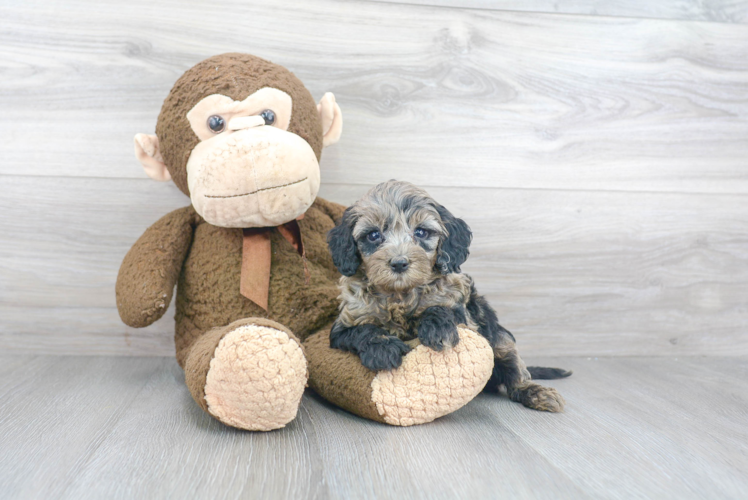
(332, 119)
(274, 178)
(256, 379)
(148, 154)
(412, 394)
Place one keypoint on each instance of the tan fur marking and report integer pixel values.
(380, 275)
(537, 397)
(530, 394)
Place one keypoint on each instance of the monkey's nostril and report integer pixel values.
(399, 264)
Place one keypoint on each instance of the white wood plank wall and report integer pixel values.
(599, 150)
(721, 11)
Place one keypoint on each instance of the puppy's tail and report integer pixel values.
(543, 373)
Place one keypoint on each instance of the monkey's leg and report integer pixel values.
(427, 385)
(249, 374)
(510, 371)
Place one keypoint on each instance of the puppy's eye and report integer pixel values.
(421, 233)
(269, 116)
(374, 236)
(216, 124)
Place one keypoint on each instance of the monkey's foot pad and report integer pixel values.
(431, 384)
(256, 378)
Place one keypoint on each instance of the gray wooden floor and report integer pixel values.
(117, 427)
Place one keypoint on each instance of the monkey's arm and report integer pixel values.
(150, 270)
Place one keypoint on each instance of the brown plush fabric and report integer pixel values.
(235, 76)
(146, 279)
(198, 363)
(208, 291)
(340, 377)
(205, 262)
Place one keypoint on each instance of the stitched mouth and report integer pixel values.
(257, 190)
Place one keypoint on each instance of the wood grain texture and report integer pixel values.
(97, 427)
(511, 99)
(569, 272)
(55, 414)
(720, 11)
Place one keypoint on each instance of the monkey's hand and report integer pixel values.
(437, 328)
(377, 349)
(146, 279)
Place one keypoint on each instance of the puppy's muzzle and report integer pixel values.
(399, 264)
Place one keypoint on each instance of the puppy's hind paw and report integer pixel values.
(537, 397)
(384, 353)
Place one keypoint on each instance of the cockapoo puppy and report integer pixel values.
(400, 252)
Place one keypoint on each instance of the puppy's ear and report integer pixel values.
(343, 246)
(454, 250)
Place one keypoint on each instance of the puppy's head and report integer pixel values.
(399, 237)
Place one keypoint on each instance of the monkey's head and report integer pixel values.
(242, 137)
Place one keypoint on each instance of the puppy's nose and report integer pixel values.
(399, 264)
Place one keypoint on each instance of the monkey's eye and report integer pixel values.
(374, 236)
(269, 116)
(216, 124)
(421, 233)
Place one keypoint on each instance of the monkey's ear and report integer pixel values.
(343, 246)
(454, 250)
(148, 154)
(332, 119)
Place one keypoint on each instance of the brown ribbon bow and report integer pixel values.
(256, 258)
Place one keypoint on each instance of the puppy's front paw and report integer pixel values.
(438, 331)
(384, 353)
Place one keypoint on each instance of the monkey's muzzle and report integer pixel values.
(256, 177)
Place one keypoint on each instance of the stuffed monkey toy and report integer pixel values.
(256, 286)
